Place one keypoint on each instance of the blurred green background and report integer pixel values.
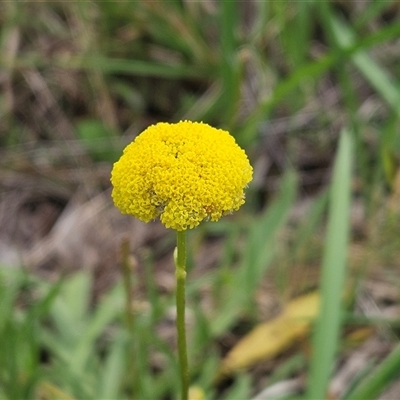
(309, 89)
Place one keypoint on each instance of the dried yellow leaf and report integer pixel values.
(270, 338)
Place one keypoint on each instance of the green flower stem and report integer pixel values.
(180, 274)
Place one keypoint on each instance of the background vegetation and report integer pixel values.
(310, 89)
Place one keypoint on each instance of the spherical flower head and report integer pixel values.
(183, 173)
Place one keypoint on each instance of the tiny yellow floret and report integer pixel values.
(183, 173)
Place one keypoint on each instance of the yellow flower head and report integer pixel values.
(184, 173)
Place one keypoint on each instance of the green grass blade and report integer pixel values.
(260, 246)
(389, 148)
(104, 314)
(241, 389)
(379, 379)
(52, 343)
(347, 88)
(326, 336)
(309, 225)
(379, 79)
(114, 368)
(297, 33)
(9, 286)
(117, 66)
(229, 63)
(314, 69)
(371, 11)
(258, 254)
(69, 309)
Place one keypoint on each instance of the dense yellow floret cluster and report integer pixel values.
(183, 173)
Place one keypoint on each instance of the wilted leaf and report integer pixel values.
(270, 338)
